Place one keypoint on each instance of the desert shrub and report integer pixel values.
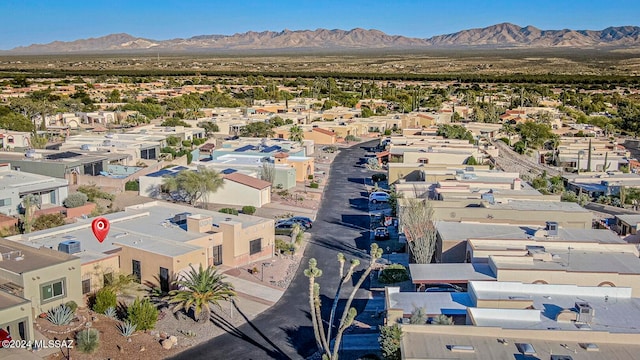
(60, 315)
(314, 185)
(143, 314)
(75, 200)
(379, 177)
(186, 143)
(310, 176)
(48, 221)
(72, 305)
(394, 273)
(189, 158)
(87, 340)
(285, 247)
(132, 186)
(93, 193)
(249, 210)
(105, 298)
(390, 339)
(126, 328)
(351, 138)
(111, 313)
(228, 211)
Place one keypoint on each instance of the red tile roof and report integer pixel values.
(281, 155)
(248, 181)
(324, 131)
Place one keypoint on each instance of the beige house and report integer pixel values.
(304, 165)
(157, 240)
(33, 281)
(240, 190)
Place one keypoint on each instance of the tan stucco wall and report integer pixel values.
(574, 278)
(69, 271)
(10, 317)
(319, 138)
(96, 270)
(233, 193)
(437, 157)
(235, 249)
(150, 263)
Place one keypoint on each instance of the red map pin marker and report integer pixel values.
(100, 227)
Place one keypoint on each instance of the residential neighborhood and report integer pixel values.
(474, 234)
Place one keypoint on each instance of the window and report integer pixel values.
(255, 246)
(86, 286)
(164, 279)
(107, 278)
(52, 290)
(5, 202)
(10, 139)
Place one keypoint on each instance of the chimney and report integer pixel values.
(199, 223)
(517, 184)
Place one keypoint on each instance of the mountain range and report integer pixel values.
(495, 36)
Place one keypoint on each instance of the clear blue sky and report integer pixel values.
(26, 22)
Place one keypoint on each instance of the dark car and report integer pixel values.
(285, 227)
(4, 336)
(303, 221)
(443, 288)
(381, 233)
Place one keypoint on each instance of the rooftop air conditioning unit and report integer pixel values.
(552, 228)
(585, 312)
(69, 246)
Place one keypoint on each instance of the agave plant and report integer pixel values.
(126, 328)
(111, 312)
(61, 315)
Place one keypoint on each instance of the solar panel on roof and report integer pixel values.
(271, 149)
(228, 171)
(160, 173)
(179, 168)
(244, 148)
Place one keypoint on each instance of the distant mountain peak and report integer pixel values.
(498, 35)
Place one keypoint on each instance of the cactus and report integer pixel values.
(127, 328)
(606, 161)
(61, 315)
(110, 312)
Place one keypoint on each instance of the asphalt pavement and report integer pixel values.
(284, 331)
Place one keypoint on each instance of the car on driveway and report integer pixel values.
(284, 227)
(443, 288)
(381, 233)
(378, 196)
(303, 221)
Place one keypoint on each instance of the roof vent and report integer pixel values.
(461, 348)
(69, 246)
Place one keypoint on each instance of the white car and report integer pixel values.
(378, 196)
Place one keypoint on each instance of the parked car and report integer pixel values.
(284, 227)
(378, 196)
(303, 221)
(381, 233)
(4, 336)
(443, 288)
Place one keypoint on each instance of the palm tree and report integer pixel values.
(296, 134)
(191, 186)
(508, 129)
(198, 290)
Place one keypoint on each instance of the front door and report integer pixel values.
(164, 280)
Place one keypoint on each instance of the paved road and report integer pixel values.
(284, 331)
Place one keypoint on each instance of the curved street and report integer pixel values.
(342, 225)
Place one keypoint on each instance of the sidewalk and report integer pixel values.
(23, 354)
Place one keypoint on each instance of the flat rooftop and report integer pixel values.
(526, 205)
(436, 303)
(615, 310)
(450, 273)
(26, 182)
(459, 231)
(146, 226)
(20, 258)
(629, 219)
(573, 261)
(9, 300)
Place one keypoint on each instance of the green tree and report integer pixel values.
(442, 320)
(198, 290)
(75, 200)
(191, 186)
(296, 134)
(471, 160)
(174, 122)
(534, 135)
(114, 96)
(15, 122)
(258, 129)
(390, 339)
(209, 127)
